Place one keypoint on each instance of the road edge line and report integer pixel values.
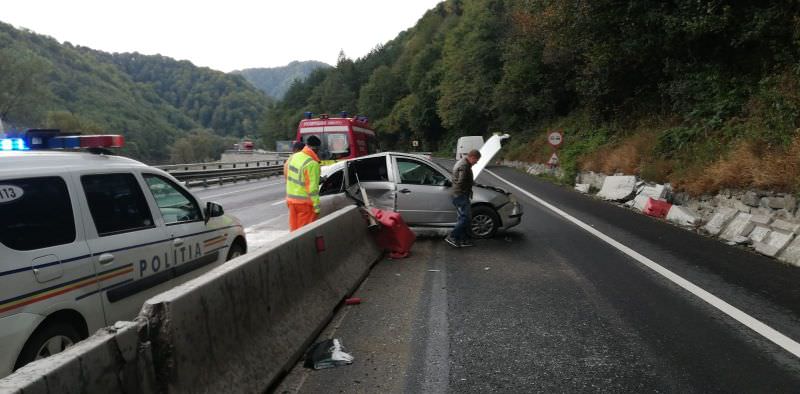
(750, 322)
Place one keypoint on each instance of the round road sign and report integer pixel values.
(555, 138)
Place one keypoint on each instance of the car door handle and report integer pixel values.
(177, 242)
(106, 258)
(405, 191)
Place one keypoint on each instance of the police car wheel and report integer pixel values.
(235, 251)
(484, 222)
(46, 341)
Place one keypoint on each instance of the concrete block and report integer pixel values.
(719, 220)
(583, 187)
(258, 313)
(638, 203)
(763, 219)
(759, 233)
(683, 216)
(96, 364)
(774, 243)
(751, 198)
(791, 254)
(776, 202)
(783, 225)
(790, 202)
(741, 207)
(656, 192)
(740, 225)
(618, 188)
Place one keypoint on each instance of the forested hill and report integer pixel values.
(275, 81)
(153, 100)
(705, 91)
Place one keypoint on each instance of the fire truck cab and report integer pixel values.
(342, 138)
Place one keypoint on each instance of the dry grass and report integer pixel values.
(626, 157)
(747, 166)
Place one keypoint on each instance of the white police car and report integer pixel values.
(86, 238)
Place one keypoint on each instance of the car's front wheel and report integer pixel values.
(235, 251)
(48, 340)
(485, 222)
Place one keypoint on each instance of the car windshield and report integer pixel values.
(334, 145)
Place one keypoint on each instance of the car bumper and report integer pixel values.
(14, 331)
(510, 214)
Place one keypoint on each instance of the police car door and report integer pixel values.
(195, 243)
(127, 244)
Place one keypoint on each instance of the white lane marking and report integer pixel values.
(279, 202)
(242, 190)
(750, 322)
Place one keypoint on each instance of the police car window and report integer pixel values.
(332, 184)
(173, 202)
(116, 203)
(370, 170)
(36, 212)
(417, 173)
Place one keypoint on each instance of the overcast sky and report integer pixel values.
(224, 35)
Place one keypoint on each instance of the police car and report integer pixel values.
(86, 238)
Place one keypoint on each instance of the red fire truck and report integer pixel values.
(342, 138)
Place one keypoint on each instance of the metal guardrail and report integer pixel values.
(203, 174)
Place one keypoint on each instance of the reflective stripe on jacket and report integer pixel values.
(302, 178)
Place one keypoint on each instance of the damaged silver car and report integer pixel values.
(418, 188)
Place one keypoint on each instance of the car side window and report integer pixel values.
(370, 170)
(116, 203)
(175, 204)
(332, 184)
(414, 172)
(36, 212)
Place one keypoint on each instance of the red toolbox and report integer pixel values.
(394, 235)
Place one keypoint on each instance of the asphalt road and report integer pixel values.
(549, 307)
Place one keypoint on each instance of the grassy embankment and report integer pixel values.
(756, 148)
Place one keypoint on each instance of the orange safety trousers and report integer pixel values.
(300, 214)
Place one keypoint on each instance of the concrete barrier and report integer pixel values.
(235, 329)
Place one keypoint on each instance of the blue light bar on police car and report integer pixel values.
(12, 144)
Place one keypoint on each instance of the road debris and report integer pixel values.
(327, 354)
(353, 301)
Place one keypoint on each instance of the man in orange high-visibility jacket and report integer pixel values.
(302, 185)
(297, 146)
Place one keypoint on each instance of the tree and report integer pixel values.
(22, 76)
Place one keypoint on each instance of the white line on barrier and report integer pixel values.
(242, 191)
(750, 322)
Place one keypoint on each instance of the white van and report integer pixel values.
(86, 238)
(466, 144)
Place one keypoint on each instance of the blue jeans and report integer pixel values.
(461, 230)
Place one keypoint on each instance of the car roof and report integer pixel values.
(19, 162)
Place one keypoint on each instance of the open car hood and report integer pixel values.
(488, 150)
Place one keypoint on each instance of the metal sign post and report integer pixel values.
(555, 139)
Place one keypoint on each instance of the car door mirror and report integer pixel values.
(447, 183)
(213, 210)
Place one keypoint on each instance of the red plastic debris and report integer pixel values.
(352, 301)
(394, 235)
(656, 208)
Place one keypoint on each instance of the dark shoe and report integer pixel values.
(452, 242)
(466, 243)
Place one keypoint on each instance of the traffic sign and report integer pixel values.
(555, 138)
(553, 162)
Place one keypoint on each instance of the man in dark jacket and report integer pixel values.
(462, 193)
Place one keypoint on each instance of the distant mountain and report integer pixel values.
(277, 80)
(152, 100)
